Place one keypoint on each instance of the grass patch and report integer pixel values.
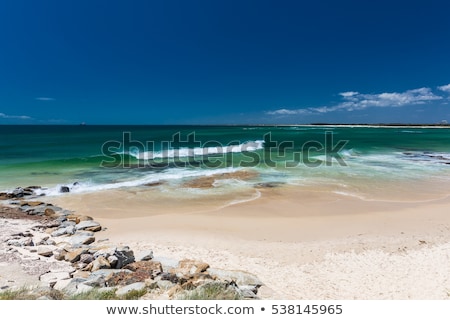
(95, 294)
(19, 294)
(133, 294)
(212, 291)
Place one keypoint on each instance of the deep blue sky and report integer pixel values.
(162, 62)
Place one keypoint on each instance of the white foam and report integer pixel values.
(169, 175)
(191, 152)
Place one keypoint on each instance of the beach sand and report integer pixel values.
(301, 244)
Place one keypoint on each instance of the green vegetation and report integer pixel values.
(212, 291)
(51, 294)
(209, 291)
(19, 294)
(94, 294)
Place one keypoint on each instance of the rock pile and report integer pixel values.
(68, 242)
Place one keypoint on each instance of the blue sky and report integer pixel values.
(230, 62)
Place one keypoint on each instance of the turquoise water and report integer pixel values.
(360, 161)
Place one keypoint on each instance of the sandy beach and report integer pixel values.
(301, 244)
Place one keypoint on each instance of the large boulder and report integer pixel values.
(51, 278)
(124, 256)
(80, 238)
(74, 255)
(131, 287)
(126, 277)
(144, 255)
(241, 278)
(89, 225)
(45, 251)
(62, 230)
(187, 268)
(64, 189)
(100, 263)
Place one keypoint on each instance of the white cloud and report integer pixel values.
(45, 99)
(5, 116)
(353, 100)
(348, 94)
(445, 88)
(284, 112)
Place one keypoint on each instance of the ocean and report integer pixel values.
(371, 163)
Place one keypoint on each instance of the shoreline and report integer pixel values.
(295, 237)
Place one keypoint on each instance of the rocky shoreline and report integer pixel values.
(64, 251)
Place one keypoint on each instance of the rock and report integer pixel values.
(109, 272)
(96, 280)
(189, 267)
(125, 256)
(268, 184)
(167, 263)
(144, 270)
(131, 287)
(50, 278)
(71, 286)
(49, 212)
(125, 278)
(50, 242)
(241, 278)
(68, 223)
(151, 284)
(100, 263)
(33, 187)
(62, 284)
(64, 189)
(172, 277)
(74, 255)
(248, 292)
(73, 218)
(149, 266)
(165, 284)
(144, 256)
(85, 218)
(89, 225)
(59, 254)
(80, 238)
(45, 251)
(81, 274)
(82, 266)
(87, 258)
(83, 288)
(23, 242)
(113, 261)
(31, 203)
(104, 251)
(17, 192)
(40, 238)
(63, 230)
(196, 280)
(174, 290)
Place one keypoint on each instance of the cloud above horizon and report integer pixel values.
(445, 88)
(353, 100)
(6, 116)
(44, 99)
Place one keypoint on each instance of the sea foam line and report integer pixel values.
(191, 152)
(173, 174)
